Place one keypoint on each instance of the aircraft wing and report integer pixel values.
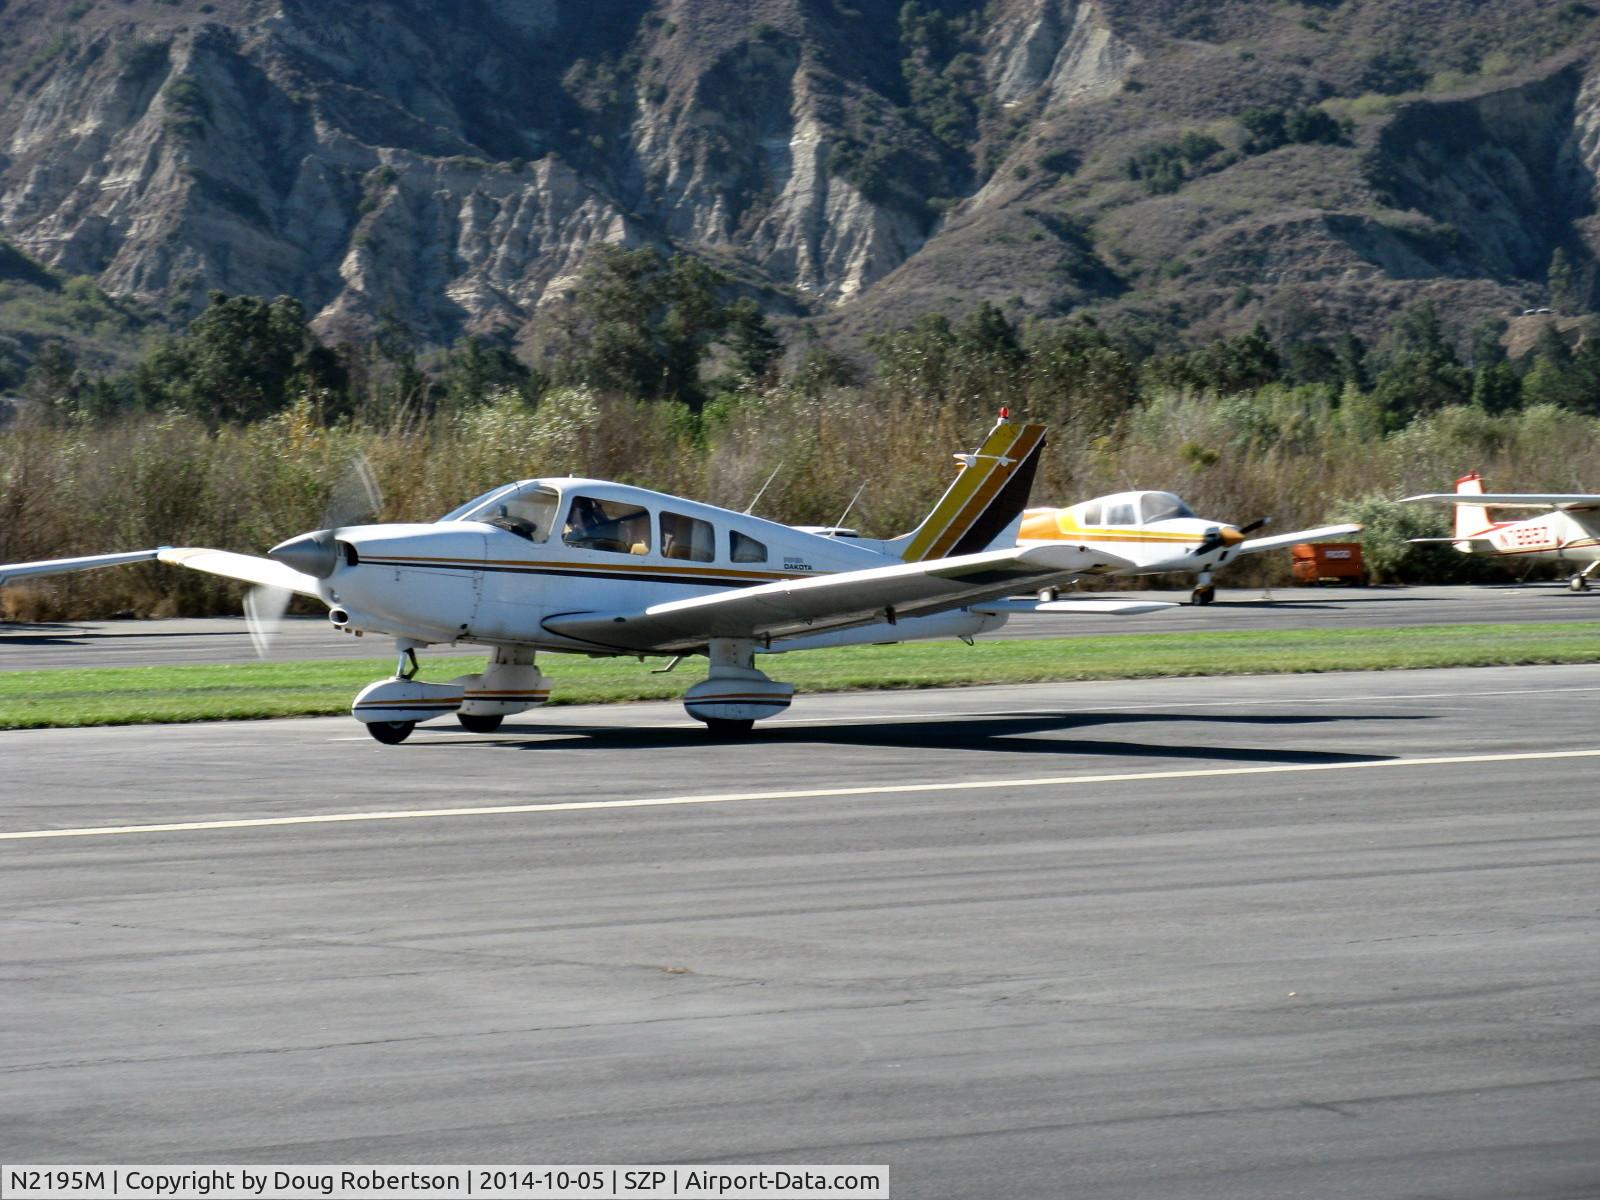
(1325, 533)
(242, 567)
(795, 607)
(11, 572)
(1562, 500)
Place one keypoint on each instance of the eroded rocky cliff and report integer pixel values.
(447, 165)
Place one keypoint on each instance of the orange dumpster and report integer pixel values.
(1328, 562)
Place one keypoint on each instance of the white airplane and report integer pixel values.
(1568, 532)
(598, 568)
(1155, 532)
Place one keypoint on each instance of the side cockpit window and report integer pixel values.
(747, 549)
(614, 526)
(1121, 514)
(687, 537)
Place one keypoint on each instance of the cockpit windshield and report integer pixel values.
(461, 510)
(1161, 506)
(527, 510)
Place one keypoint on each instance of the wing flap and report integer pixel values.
(243, 567)
(1324, 533)
(805, 606)
(1118, 608)
(10, 572)
(1466, 545)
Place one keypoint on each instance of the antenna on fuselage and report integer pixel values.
(839, 524)
(751, 506)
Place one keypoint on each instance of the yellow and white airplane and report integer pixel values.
(599, 568)
(1156, 532)
(1568, 532)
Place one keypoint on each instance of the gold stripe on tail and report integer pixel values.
(988, 492)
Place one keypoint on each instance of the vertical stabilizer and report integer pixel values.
(1472, 520)
(986, 498)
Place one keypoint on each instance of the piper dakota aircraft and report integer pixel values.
(600, 568)
(1155, 532)
(1569, 532)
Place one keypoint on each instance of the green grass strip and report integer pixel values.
(142, 695)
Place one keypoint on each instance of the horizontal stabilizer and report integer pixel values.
(1325, 533)
(244, 567)
(11, 572)
(1466, 545)
(1118, 608)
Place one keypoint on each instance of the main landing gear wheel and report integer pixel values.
(391, 733)
(1578, 584)
(1203, 595)
(476, 723)
(721, 727)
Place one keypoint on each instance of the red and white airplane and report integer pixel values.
(1569, 531)
(592, 567)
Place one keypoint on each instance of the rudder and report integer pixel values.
(1472, 520)
(987, 495)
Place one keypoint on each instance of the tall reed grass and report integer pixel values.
(1302, 456)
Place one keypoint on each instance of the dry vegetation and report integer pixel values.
(1290, 453)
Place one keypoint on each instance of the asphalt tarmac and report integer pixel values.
(225, 639)
(1329, 935)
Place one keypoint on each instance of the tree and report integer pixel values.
(916, 360)
(751, 341)
(51, 384)
(1420, 372)
(1226, 366)
(1496, 388)
(1266, 129)
(240, 360)
(475, 371)
(650, 322)
(1563, 287)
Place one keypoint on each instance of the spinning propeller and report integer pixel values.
(355, 495)
(1227, 535)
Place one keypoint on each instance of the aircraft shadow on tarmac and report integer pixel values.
(997, 733)
(78, 635)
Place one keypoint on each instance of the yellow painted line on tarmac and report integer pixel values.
(974, 785)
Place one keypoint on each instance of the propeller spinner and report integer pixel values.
(354, 495)
(1227, 535)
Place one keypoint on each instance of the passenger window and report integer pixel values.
(610, 525)
(1121, 514)
(1091, 515)
(687, 537)
(747, 549)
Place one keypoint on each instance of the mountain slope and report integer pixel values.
(446, 165)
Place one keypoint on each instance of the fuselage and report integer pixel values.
(1553, 535)
(494, 570)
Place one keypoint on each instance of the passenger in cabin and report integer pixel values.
(608, 525)
(582, 518)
